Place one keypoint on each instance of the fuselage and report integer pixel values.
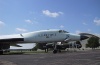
(46, 36)
(43, 36)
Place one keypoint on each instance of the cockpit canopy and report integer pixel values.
(62, 31)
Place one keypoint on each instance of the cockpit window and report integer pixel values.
(21, 35)
(62, 31)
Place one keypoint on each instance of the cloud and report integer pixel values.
(29, 21)
(61, 26)
(51, 14)
(97, 21)
(2, 23)
(77, 31)
(21, 30)
(84, 23)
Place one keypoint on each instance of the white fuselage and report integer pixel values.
(43, 36)
(46, 36)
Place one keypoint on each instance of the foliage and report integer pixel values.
(93, 42)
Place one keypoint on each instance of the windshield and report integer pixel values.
(62, 31)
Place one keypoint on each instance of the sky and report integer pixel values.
(74, 16)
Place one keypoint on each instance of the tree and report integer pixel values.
(93, 42)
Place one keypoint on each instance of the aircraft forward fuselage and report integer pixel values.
(43, 36)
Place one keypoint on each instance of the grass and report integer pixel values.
(23, 52)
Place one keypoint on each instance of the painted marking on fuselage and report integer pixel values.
(47, 35)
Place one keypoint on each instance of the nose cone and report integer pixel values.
(83, 37)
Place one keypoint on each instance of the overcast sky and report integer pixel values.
(75, 16)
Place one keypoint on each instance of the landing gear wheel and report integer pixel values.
(54, 51)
